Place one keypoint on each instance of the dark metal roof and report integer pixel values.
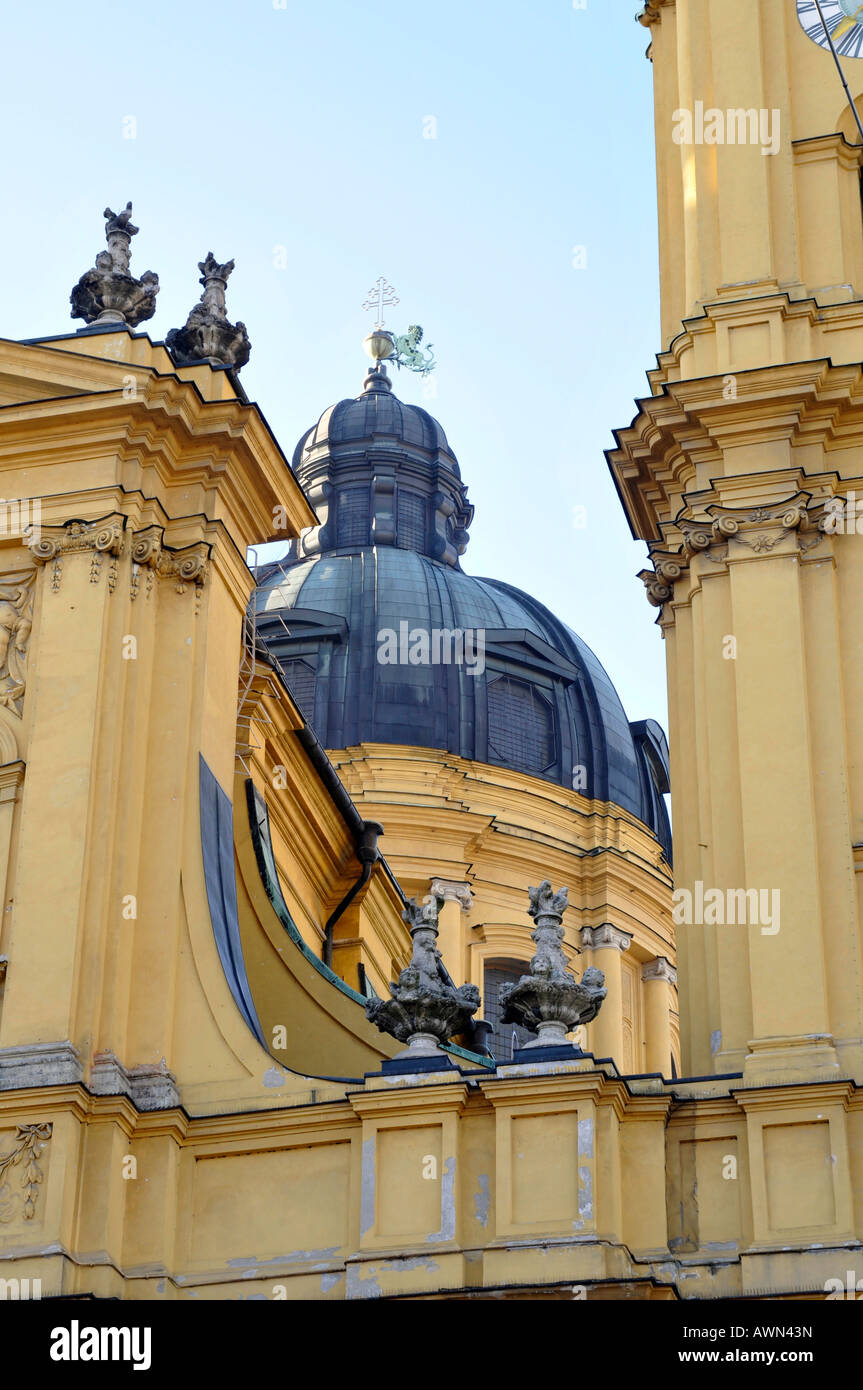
(383, 564)
(336, 607)
(376, 415)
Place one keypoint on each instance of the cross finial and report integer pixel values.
(381, 296)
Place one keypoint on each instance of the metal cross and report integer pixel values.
(381, 295)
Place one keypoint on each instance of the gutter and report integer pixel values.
(366, 833)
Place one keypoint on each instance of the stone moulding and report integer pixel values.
(39, 1064)
(31, 1140)
(149, 1087)
(759, 529)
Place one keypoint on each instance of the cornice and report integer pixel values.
(412, 1097)
(815, 147)
(535, 1093)
(486, 799)
(168, 427)
(692, 421)
(796, 1095)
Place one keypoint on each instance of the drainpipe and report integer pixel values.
(368, 854)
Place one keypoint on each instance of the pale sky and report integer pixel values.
(295, 135)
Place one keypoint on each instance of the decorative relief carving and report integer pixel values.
(145, 551)
(659, 969)
(31, 1140)
(759, 529)
(104, 540)
(16, 622)
(187, 566)
(597, 938)
(449, 890)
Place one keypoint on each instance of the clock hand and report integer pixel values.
(849, 23)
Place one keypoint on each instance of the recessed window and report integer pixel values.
(411, 521)
(352, 516)
(520, 726)
(506, 1036)
(300, 679)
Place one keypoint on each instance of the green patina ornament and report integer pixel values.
(408, 352)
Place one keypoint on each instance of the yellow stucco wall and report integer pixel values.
(151, 1145)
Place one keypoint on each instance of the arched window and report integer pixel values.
(506, 1036)
(520, 726)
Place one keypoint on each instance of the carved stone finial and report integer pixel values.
(208, 336)
(425, 1008)
(550, 1001)
(109, 293)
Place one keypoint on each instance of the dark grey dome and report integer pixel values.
(542, 704)
(376, 416)
(384, 639)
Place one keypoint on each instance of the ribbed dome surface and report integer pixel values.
(376, 416)
(384, 639)
(543, 704)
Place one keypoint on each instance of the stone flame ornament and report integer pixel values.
(109, 293)
(208, 336)
(550, 1001)
(425, 1008)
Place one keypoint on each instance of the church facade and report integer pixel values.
(226, 791)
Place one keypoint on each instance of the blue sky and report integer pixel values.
(259, 126)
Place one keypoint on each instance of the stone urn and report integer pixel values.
(550, 1001)
(425, 1008)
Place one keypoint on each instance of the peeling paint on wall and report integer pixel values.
(367, 1193)
(482, 1199)
(585, 1137)
(585, 1194)
(447, 1203)
(302, 1257)
(358, 1287)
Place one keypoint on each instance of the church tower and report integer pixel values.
(741, 472)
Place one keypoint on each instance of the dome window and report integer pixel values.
(411, 521)
(520, 726)
(300, 680)
(353, 516)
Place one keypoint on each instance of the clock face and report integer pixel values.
(844, 19)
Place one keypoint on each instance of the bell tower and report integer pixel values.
(742, 472)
